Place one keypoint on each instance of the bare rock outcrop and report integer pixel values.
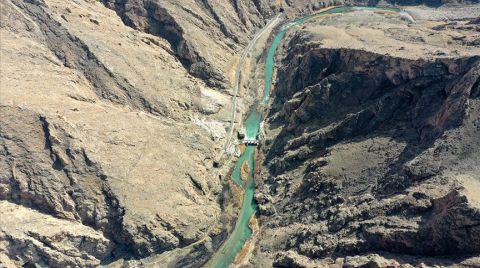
(28, 237)
(199, 32)
(96, 133)
(368, 154)
(112, 113)
(47, 177)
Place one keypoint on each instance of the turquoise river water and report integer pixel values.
(242, 232)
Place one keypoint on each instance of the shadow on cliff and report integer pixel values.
(329, 97)
(332, 96)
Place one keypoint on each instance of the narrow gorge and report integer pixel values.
(199, 133)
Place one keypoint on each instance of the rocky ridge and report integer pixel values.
(199, 32)
(112, 113)
(87, 130)
(370, 154)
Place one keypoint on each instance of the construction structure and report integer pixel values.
(250, 142)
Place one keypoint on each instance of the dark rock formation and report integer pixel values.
(102, 157)
(307, 6)
(371, 155)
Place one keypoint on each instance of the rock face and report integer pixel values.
(370, 153)
(47, 241)
(199, 32)
(107, 141)
(308, 6)
(45, 170)
(112, 113)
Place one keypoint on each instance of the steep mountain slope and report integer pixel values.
(112, 113)
(202, 33)
(104, 131)
(371, 153)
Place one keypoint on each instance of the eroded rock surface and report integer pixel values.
(201, 33)
(104, 129)
(39, 239)
(370, 153)
(112, 112)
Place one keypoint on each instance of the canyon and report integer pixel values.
(117, 148)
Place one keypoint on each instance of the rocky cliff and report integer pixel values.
(370, 154)
(308, 6)
(112, 113)
(107, 140)
(199, 32)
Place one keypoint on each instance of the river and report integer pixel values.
(242, 232)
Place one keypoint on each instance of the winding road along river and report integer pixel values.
(242, 232)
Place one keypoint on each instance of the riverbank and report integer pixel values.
(242, 231)
(347, 178)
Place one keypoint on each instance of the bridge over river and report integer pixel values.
(229, 250)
